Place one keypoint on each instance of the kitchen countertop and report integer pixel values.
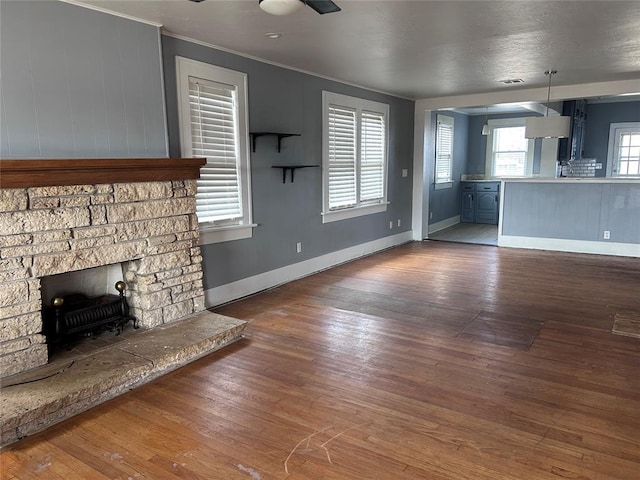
(557, 179)
(483, 180)
(573, 180)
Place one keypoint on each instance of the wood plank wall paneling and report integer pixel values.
(427, 361)
(79, 83)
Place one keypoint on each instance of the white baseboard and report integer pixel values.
(442, 224)
(575, 246)
(248, 286)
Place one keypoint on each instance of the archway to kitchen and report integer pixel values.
(439, 211)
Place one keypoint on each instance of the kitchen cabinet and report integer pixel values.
(467, 213)
(480, 202)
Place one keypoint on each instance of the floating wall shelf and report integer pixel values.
(280, 136)
(293, 168)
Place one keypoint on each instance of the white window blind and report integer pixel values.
(444, 149)
(373, 145)
(214, 132)
(510, 152)
(354, 157)
(342, 157)
(213, 114)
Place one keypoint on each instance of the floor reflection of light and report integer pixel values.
(360, 337)
(492, 283)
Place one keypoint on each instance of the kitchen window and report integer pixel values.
(623, 159)
(444, 152)
(509, 153)
(354, 157)
(212, 108)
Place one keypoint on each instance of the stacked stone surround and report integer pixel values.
(149, 227)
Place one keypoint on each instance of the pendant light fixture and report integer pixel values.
(485, 127)
(547, 127)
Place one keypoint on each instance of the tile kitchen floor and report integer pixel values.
(479, 233)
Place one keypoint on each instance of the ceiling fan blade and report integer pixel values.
(323, 6)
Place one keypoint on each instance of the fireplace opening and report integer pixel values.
(78, 305)
(91, 281)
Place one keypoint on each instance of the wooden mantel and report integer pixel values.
(80, 171)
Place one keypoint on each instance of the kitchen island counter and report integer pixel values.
(585, 215)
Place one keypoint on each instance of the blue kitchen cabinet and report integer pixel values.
(480, 202)
(467, 214)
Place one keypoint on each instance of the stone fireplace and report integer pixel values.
(60, 216)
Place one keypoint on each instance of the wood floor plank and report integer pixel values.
(432, 360)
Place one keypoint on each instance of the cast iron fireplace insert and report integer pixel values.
(78, 315)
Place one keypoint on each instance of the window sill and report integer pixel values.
(209, 235)
(442, 186)
(337, 215)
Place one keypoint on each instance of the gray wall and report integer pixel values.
(599, 117)
(289, 101)
(478, 143)
(573, 211)
(445, 203)
(78, 83)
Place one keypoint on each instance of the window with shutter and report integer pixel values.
(342, 157)
(444, 150)
(373, 145)
(354, 157)
(509, 153)
(213, 119)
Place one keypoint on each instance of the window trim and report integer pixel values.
(186, 67)
(360, 105)
(615, 129)
(502, 123)
(445, 119)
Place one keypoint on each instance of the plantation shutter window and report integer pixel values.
(444, 149)
(354, 156)
(215, 136)
(373, 147)
(342, 157)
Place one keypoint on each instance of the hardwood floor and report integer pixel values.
(431, 361)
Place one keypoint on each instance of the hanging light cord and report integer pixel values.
(550, 73)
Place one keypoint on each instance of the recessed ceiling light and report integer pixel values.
(509, 81)
(273, 35)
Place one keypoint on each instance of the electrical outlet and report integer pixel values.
(390, 224)
(405, 172)
(607, 234)
(299, 247)
(398, 222)
(430, 215)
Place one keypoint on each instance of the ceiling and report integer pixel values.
(420, 49)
